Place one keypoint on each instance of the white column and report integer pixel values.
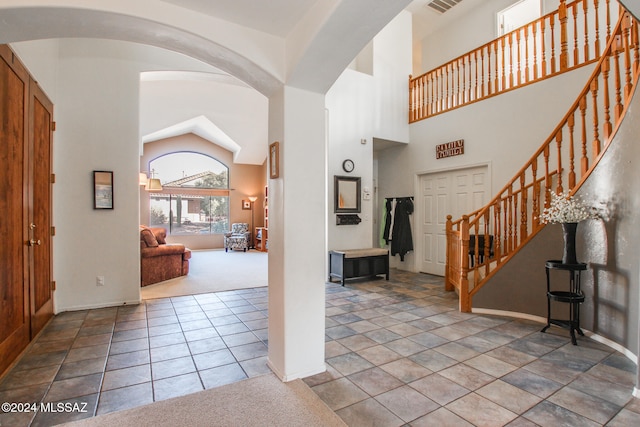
(297, 230)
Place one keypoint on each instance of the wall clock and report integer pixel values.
(348, 165)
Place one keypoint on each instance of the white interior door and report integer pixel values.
(452, 193)
(435, 205)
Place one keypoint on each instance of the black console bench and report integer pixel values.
(358, 263)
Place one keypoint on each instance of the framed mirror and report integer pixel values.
(347, 194)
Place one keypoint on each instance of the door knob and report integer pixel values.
(32, 226)
(34, 242)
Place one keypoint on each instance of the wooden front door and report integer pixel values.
(14, 275)
(25, 206)
(40, 130)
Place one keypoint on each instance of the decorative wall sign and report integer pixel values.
(449, 149)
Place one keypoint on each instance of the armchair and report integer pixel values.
(238, 238)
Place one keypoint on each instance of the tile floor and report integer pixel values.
(121, 357)
(398, 353)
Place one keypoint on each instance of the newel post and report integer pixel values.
(564, 55)
(465, 298)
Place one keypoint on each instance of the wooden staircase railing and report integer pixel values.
(561, 164)
(555, 43)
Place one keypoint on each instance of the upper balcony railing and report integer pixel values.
(560, 41)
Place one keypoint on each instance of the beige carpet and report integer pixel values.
(215, 271)
(260, 401)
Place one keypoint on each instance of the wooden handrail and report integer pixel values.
(581, 138)
(524, 56)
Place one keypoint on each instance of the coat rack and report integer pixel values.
(398, 198)
(348, 219)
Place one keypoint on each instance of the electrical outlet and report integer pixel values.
(99, 280)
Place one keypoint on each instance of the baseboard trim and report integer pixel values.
(297, 375)
(612, 344)
(513, 314)
(543, 320)
(99, 305)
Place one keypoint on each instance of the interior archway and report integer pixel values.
(36, 23)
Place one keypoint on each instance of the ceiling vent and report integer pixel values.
(441, 6)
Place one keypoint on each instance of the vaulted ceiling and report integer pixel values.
(275, 17)
(190, 102)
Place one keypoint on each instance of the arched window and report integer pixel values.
(195, 194)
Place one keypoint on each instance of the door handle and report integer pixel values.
(34, 242)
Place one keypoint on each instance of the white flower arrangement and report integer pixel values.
(566, 209)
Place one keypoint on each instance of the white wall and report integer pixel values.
(349, 106)
(40, 57)
(452, 39)
(362, 106)
(392, 66)
(97, 114)
(297, 214)
(95, 88)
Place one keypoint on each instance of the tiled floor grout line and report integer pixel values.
(146, 318)
(106, 360)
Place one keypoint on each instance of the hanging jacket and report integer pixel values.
(387, 222)
(382, 224)
(402, 241)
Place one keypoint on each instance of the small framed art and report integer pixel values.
(274, 160)
(102, 189)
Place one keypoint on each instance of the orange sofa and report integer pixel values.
(158, 260)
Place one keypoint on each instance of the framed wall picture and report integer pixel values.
(102, 190)
(274, 160)
(246, 204)
(347, 194)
